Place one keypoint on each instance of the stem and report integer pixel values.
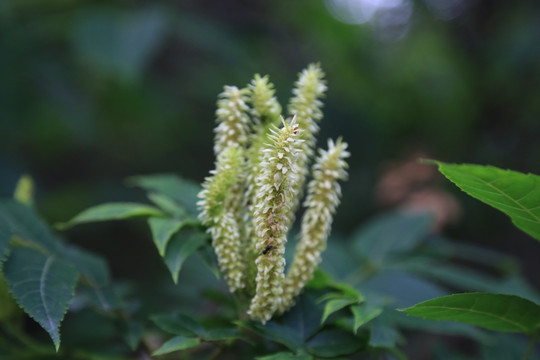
(530, 348)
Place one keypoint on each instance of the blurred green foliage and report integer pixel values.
(92, 92)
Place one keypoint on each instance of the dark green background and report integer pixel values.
(92, 92)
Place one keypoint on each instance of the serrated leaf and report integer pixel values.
(492, 311)
(177, 343)
(43, 285)
(112, 211)
(182, 190)
(179, 248)
(167, 204)
(22, 221)
(364, 314)
(391, 233)
(285, 355)
(514, 193)
(335, 305)
(274, 332)
(164, 228)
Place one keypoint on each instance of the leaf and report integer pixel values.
(178, 324)
(111, 211)
(179, 248)
(285, 355)
(182, 190)
(383, 334)
(391, 233)
(20, 220)
(274, 332)
(42, 285)
(167, 204)
(514, 193)
(177, 343)
(401, 320)
(336, 304)
(492, 311)
(364, 314)
(164, 228)
(335, 342)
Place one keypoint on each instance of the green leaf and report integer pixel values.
(167, 204)
(335, 342)
(42, 285)
(112, 211)
(178, 324)
(177, 343)
(391, 233)
(182, 190)
(179, 248)
(515, 194)
(336, 304)
(364, 314)
(383, 334)
(21, 221)
(285, 355)
(492, 311)
(164, 228)
(274, 332)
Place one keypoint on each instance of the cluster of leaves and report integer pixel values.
(518, 196)
(392, 262)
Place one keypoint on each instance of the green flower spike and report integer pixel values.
(323, 196)
(273, 201)
(233, 120)
(217, 211)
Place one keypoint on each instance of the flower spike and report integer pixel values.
(323, 196)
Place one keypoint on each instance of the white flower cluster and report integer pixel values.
(248, 202)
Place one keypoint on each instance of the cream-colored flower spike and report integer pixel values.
(232, 117)
(323, 197)
(217, 207)
(273, 200)
(306, 105)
